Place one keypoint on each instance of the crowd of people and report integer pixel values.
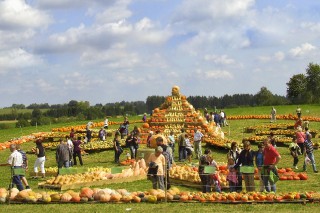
(241, 163)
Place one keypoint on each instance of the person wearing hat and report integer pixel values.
(158, 161)
(167, 153)
(182, 145)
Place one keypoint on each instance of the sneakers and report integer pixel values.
(27, 187)
(295, 167)
(316, 171)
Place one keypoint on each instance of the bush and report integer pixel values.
(22, 123)
(5, 125)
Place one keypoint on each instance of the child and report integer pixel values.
(232, 177)
(295, 151)
(189, 148)
(259, 164)
(215, 178)
(308, 152)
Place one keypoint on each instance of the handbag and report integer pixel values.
(273, 178)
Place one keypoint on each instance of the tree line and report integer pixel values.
(301, 88)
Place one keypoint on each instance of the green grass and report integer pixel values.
(234, 131)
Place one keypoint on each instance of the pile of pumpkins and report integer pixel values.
(87, 194)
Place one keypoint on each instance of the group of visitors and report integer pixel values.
(219, 118)
(69, 149)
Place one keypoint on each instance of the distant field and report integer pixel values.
(9, 111)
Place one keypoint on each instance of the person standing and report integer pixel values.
(15, 161)
(273, 115)
(41, 158)
(117, 148)
(295, 151)
(273, 140)
(171, 141)
(246, 159)
(77, 151)
(102, 134)
(63, 155)
(167, 153)
(189, 148)
(298, 111)
(259, 164)
(24, 165)
(106, 123)
(88, 135)
(72, 133)
(308, 152)
(144, 117)
(158, 160)
(197, 138)
(271, 159)
(300, 137)
(205, 160)
(182, 145)
(234, 154)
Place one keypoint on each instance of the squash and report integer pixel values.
(104, 197)
(136, 199)
(86, 192)
(65, 197)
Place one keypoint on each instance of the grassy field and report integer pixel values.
(234, 131)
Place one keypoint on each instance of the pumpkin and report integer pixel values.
(303, 176)
(145, 125)
(86, 192)
(75, 198)
(104, 197)
(46, 198)
(136, 199)
(55, 197)
(115, 197)
(65, 197)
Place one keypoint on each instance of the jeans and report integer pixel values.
(313, 162)
(265, 177)
(182, 153)
(133, 152)
(16, 179)
(158, 182)
(63, 163)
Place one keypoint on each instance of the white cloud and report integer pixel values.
(223, 59)
(17, 59)
(302, 50)
(312, 26)
(15, 14)
(213, 74)
(279, 56)
(118, 11)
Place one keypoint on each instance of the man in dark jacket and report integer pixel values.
(182, 145)
(63, 155)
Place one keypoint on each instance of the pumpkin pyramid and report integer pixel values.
(176, 113)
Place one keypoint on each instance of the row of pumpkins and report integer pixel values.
(122, 195)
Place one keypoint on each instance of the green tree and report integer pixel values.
(313, 82)
(264, 97)
(296, 88)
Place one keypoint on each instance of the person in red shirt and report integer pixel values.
(271, 159)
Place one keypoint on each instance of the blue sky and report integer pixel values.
(54, 51)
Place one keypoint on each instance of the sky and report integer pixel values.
(106, 51)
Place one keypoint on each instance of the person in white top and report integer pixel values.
(106, 124)
(197, 138)
(15, 160)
